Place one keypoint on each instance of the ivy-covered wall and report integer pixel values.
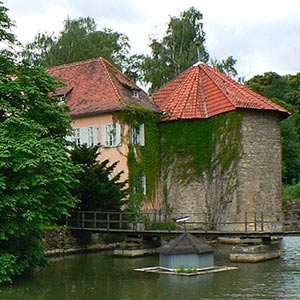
(179, 154)
(199, 165)
(142, 160)
(204, 167)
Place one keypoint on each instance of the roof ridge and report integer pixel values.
(192, 241)
(74, 63)
(179, 239)
(120, 72)
(203, 93)
(217, 73)
(177, 92)
(187, 96)
(242, 89)
(104, 61)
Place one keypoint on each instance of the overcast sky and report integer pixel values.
(263, 35)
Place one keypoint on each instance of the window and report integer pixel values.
(137, 135)
(63, 97)
(85, 135)
(77, 136)
(143, 184)
(111, 135)
(135, 94)
(140, 184)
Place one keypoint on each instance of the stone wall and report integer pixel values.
(61, 241)
(252, 184)
(259, 170)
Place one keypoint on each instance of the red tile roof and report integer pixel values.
(96, 86)
(203, 92)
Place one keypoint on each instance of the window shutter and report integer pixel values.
(118, 135)
(142, 135)
(94, 139)
(143, 184)
(104, 136)
(84, 136)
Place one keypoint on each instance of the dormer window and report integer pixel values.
(63, 96)
(62, 100)
(135, 94)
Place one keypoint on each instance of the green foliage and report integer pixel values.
(182, 45)
(5, 25)
(291, 192)
(142, 159)
(79, 40)
(285, 91)
(97, 189)
(35, 171)
(225, 66)
(189, 145)
(182, 269)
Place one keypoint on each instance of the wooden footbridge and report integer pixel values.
(251, 225)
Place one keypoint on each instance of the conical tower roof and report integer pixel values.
(202, 92)
(185, 243)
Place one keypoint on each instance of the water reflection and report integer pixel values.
(102, 276)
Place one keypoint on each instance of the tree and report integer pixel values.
(285, 91)
(182, 45)
(225, 66)
(35, 171)
(97, 188)
(79, 40)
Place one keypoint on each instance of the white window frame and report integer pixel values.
(141, 184)
(111, 135)
(85, 135)
(135, 94)
(137, 138)
(76, 135)
(93, 135)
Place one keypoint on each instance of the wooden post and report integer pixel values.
(78, 219)
(121, 220)
(246, 222)
(83, 218)
(95, 217)
(108, 222)
(255, 221)
(262, 221)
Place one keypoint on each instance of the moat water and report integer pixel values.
(102, 276)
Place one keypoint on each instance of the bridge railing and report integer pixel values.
(257, 221)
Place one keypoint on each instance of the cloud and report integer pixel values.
(258, 46)
(112, 11)
(263, 35)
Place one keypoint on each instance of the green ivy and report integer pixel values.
(190, 145)
(142, 159)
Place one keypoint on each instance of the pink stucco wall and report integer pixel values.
(112, 154)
